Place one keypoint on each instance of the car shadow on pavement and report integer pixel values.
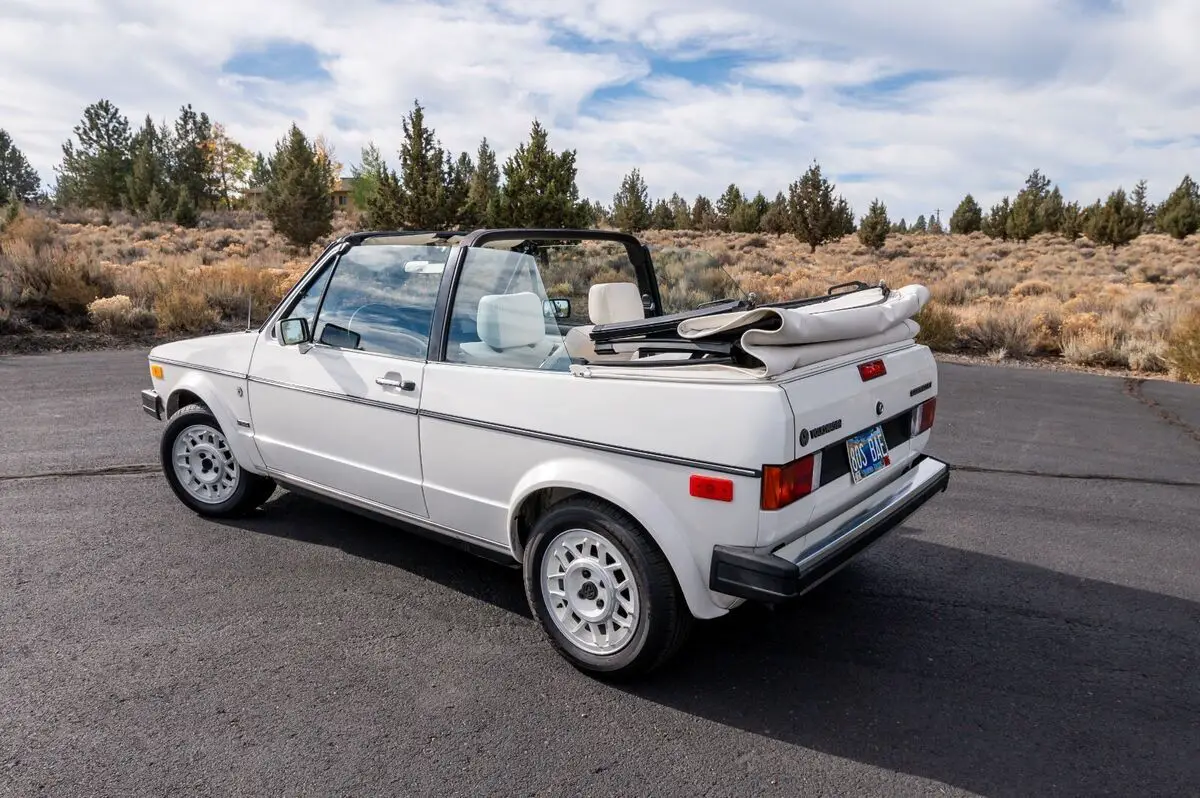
(990, 675)
(984, 673)
(297, 517)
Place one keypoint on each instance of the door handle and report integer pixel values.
(388, 382)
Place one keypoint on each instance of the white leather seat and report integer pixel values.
(607, 303)
(512, 332)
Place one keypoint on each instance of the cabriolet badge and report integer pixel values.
(816, 432)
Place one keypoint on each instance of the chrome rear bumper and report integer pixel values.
(795, 569)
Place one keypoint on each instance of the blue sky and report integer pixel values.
(913, 103)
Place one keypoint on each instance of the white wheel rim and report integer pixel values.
(590, 591)
(204, 464)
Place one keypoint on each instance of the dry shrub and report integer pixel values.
(1007, 327)
(185, 310)
(1032, 288)
(1145, 354)
(1148, 273)
(1183, 347)
(119, 314)
(939, 327)
(1094, 347)
(34, 231)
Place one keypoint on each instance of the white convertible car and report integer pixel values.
(647, 453)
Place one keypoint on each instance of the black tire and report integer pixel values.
(250, 490)
(664, 619)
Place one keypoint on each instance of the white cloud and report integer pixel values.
(1075, 92)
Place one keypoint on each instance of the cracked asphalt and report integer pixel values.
(1035, 630)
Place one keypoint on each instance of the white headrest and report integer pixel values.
(611, 302)
(506, 321)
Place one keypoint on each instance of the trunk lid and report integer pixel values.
(832, 403)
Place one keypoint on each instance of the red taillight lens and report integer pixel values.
(869, 371)
(714, 488)
(782, 485)
(923, 415)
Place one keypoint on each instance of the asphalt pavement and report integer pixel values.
(1035, 630)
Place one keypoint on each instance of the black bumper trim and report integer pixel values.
(762, 576)
(152, 404)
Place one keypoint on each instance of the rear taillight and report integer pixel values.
(782, 485)
(923, 415)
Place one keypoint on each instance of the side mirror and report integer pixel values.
(340, 337)
(291, 331)
(557, 308)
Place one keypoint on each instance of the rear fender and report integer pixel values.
(624, 490)
(225, 397)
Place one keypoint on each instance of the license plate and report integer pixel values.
(868, 453)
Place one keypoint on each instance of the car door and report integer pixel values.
(338, 412)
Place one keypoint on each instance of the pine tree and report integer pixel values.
(1141, 208)
(1179, 215)
(383, 207)
(967, 217)
(96, 172)
(190, 169)
(919, 226)
(260, 173)
(423, 178)
(873, 230)
(19, 181)
(631, 203)
(704, 215)
(1072, 221)
(156, 206)
(727, 203)
(680, 213)
(539, 186)
(901, 227)
(996, 223)
(185, 211)
(814, 215)
(485, 185)
(661, 217)
(1022, 221)
(1116, 222)
(777, 219)
(297, 198)
(148, 169)
(745, 218)
(1050, 212)
(935, 224)
(458, 189)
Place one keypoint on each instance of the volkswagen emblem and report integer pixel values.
(804, 437)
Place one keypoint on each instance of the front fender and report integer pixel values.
(225, 396)
(624, 490)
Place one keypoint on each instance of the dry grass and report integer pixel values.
(1136, 308)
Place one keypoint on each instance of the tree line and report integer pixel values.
(161, 171)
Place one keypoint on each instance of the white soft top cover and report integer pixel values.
(782, 339)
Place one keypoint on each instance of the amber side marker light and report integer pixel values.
(156, 371)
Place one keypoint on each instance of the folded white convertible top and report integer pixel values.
(783, 338)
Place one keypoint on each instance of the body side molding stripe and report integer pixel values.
(196, 367)
(332, 395)
(603, 447)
